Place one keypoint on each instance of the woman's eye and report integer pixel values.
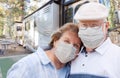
(66, 41)
(76, 46)
(84, 25)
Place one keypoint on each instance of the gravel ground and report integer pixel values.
(11, 51)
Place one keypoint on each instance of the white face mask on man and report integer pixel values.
(92, 37)
(65, 52)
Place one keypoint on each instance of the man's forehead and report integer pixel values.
(91, 21)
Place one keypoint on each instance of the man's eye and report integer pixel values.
(94, 25)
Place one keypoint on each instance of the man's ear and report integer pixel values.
(107, 24)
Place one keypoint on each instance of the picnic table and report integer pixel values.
(5, 44)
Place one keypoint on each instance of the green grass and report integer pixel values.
(7, 62)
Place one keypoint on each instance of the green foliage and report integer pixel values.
(9, 10)
(14, 7)
(1, 14)
(111, 14)
(3, 1)
(1, 26)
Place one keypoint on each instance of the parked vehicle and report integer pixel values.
(40, 25)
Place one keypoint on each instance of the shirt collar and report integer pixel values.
(104, 47)
(43, 57)
(83, 50)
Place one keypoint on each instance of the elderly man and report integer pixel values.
(99, 58)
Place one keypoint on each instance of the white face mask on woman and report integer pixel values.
(65, 52)
(92, 37)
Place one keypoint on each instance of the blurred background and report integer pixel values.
(27, 24)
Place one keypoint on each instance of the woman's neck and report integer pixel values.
(53, 58)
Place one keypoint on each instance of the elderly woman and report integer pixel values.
(53, 63)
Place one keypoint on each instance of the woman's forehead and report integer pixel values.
(70, 34)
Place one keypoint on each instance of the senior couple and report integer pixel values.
(77, 51)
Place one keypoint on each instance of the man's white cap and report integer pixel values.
(91, 11)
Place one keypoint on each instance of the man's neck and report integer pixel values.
(89, 50)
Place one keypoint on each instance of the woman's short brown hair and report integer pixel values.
(66, 27)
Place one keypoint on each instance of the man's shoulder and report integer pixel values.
(115, 47)
(111, 46)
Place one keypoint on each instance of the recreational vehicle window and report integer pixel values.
(117, 17)
(71, 6)
(69, 15)
(19, 28)
(27, 26)
(40, 25)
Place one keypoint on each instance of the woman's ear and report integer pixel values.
(55, 43)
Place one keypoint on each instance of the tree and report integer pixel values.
(10, 9)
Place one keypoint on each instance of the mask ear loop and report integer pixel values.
(80, 51)
(104, 33)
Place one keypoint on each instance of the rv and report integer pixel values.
(18, 32)
(39, 25)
